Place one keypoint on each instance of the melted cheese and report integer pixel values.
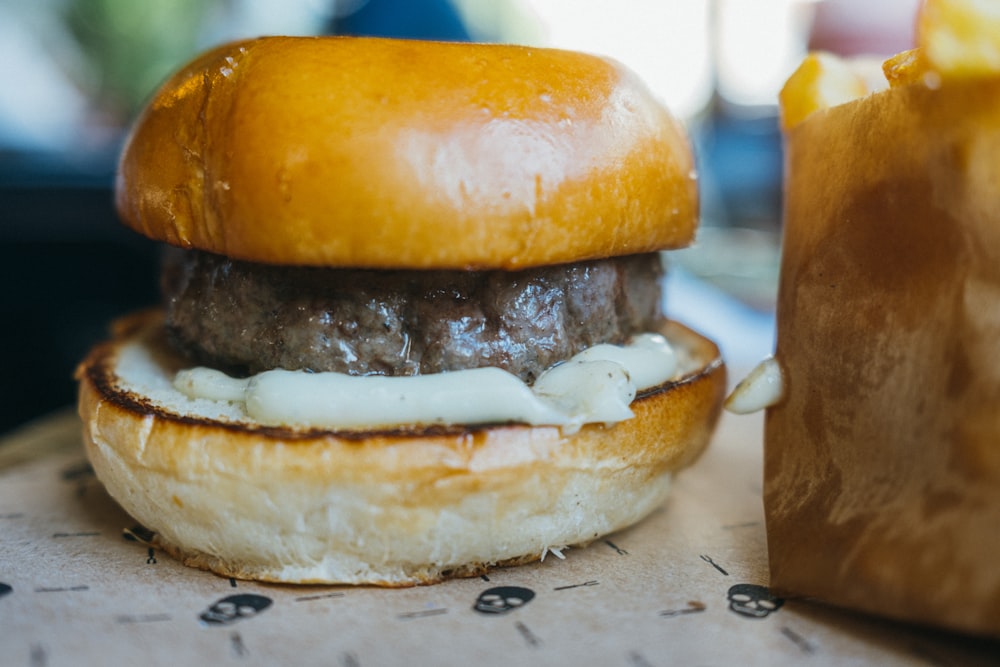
(596, 385)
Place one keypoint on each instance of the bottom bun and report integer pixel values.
(389, 508)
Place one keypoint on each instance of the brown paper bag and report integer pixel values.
(882, 464)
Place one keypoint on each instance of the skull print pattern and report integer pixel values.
(235, 608)
(503, 599)
(753, 601)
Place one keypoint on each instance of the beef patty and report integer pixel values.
(247, 318)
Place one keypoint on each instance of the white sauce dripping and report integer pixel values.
(762, 388)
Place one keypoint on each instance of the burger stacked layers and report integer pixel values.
(413, 318)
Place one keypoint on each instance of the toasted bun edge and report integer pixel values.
(390, 509)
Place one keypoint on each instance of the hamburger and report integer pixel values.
(412, 324)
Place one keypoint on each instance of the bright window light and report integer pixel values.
(758, 43)
(665, 43)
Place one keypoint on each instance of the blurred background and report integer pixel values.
(73, 74)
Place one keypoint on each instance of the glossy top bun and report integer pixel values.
(364, 152)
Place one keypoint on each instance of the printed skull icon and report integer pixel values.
(234, 608)
(753, 600)
(503, 599)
